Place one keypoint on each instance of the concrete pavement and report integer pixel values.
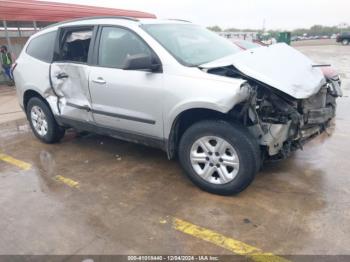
(97, 195)
(9, 106)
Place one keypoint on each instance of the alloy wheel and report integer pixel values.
(38, 120)
(214, 159)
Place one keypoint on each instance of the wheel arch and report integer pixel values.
(30, 93)
(188, 117)
(54, 132)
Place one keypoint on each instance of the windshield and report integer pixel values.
(190, 44)
(246, 44)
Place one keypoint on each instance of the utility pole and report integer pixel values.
(263, 27)
(35, 26)
(7, 35)
(342, 26)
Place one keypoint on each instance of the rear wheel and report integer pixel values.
(219, 157)
(42, 121)
(345, 41)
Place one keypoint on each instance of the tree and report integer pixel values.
(319, 30)
(315, 30)
(215, 28)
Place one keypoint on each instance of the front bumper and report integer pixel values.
(313, 116)
(320, 116)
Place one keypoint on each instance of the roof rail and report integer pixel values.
(91, 18)
(180, 20)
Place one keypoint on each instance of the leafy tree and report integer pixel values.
(215, 28)
(315, 30)
(241, 30)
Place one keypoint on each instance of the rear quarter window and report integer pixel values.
(42, 47)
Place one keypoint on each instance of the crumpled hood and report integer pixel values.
(279, 66)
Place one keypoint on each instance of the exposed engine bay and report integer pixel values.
(279, 121)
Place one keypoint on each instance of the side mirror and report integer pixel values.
(141, 62)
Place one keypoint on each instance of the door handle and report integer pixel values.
(61, 75)
(99, 80)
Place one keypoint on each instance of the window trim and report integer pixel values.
(53, 50)
(62, 31)
(94, 60)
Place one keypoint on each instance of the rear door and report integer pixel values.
(125, 100)
(70, 72)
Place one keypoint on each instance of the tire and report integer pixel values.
(48, 133)
(238, 146)
(345, 41)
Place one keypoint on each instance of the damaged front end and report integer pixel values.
(283, 124)
(280, 122)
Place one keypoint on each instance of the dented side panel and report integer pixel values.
(70, 82)
(39, 83)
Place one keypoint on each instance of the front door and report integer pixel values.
(125, 100)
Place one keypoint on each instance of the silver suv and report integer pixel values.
(178, 87)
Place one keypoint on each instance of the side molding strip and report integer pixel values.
(113, 132)
(137, 119)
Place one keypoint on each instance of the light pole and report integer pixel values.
(342, 26)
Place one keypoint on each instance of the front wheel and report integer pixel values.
(42, 121)
(219, 157)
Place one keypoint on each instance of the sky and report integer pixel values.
(278, 14)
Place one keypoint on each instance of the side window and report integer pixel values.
(75, 45)
(116, 44)
(42, 47)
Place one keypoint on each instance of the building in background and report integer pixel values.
(239, 35)
(22, 18)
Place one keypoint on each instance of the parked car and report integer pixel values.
(344, 38)
(178, 87)
(332, 78)
(334, 36)
(294, 38)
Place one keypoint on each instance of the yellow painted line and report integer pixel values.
(67, 181)
(13, 161)
(231, 244)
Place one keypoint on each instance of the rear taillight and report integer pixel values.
(13, 66)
